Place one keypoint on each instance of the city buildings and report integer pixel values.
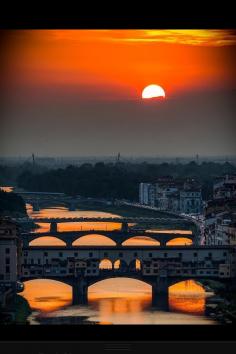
(147, 194)
(225, 187)
(174, 195)
(10, 265)
(191, 199)
(220, 213)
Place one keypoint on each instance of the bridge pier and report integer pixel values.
(162, 242)
(53, 226)
(35, 206)
(160, 298)
(124, 227)
(79, 292)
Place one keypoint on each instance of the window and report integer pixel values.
(26, 253)
(165, 255)
(39, 261)
(45, 254)
(32, 261)
(88, 271)
(7, 260)
(90, 254)
(60, 254)
(120, 254)
(225, 254)
(150, 255)
(105, 254)
(135, 254)
(7, 269)
(155, 271)
(195, 254)
(76, 254)
(7, 250)
(209, 254)
(94, 270)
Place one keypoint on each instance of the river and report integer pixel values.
(112, 301)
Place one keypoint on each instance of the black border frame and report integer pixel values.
(197, 18)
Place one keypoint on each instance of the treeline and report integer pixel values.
(11, 204)
(9, 174)
(119, 180)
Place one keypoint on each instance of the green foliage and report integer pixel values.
(11, 204)
(119, 180)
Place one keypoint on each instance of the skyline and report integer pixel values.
(78, 92)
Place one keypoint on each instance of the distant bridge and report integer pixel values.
(118, 236)
(181, 223)
(122, 220)
(40, 199)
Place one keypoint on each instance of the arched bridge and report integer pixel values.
(118, 236)
(159, 267)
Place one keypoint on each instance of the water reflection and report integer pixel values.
(117, 300)
(7, 189)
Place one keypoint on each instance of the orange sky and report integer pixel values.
(119, 63)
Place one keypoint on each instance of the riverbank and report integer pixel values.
(222, 305)
(23, 310)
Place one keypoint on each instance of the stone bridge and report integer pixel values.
(118, 236)
(160, 267)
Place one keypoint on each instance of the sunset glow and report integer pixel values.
(116, 63)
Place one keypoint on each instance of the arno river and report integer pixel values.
(117, 301)
(112, 301)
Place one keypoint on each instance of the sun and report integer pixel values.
(152, 91)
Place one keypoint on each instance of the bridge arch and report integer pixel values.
(187, 296)
(112, 277)
(47, 241)
(120, 264)
(141, 241)
(135, 265)
(105, 264)
(47, 294)
(93, 240)
(180, 241)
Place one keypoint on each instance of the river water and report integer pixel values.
(112, 301)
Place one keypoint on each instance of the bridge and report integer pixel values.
(125, 221)
(42, 199)
(161, 267)
(118, 236)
